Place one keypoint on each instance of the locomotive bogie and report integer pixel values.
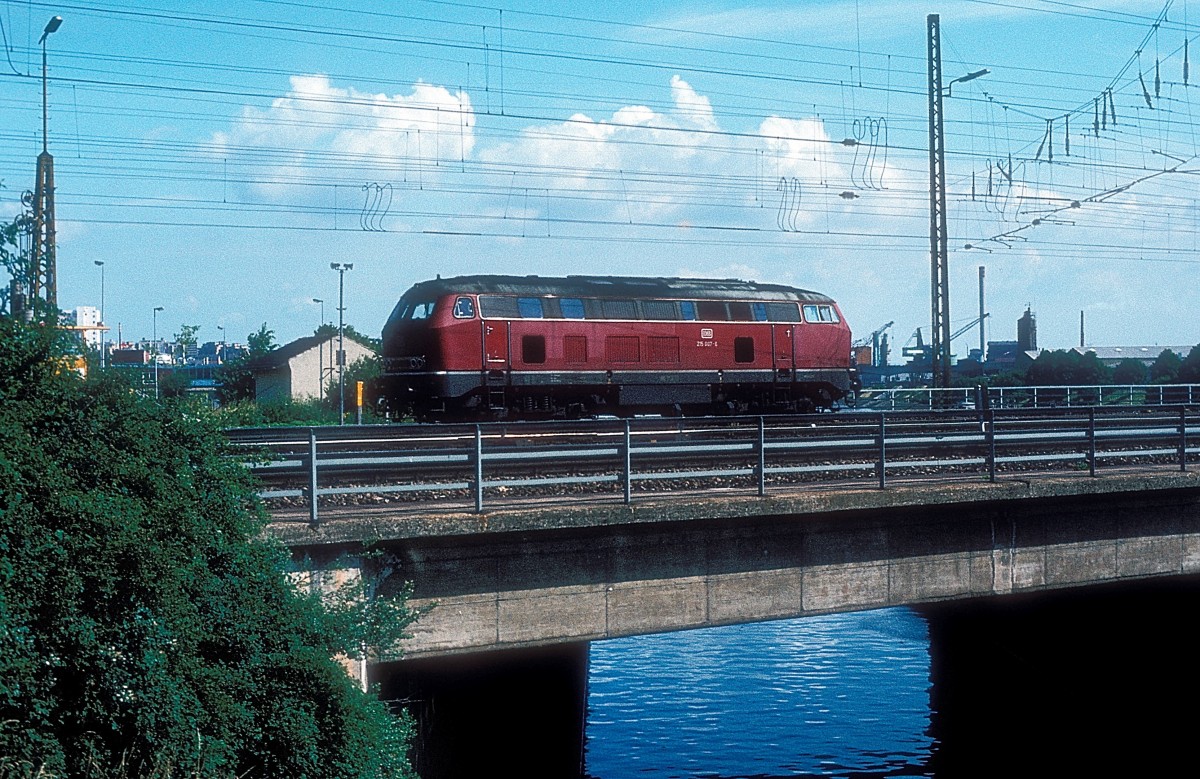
(497, 346)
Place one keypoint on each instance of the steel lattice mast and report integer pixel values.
(939, 263)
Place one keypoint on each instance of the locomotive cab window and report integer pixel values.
(422, 310)
(464, 308)
(822, 313)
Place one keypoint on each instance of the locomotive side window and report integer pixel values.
(687, 310)
(422, 310)
(572, 308)
(828, 314)
(620, 309)
(743, 350)
(711, 311)
(498, 307)
(592, 308)
(550, 308)
(740, 312)
(659, 310)
(464, 308)
(760, 311)
(533, 349)
(530, 308)
(782, 312)
(575, 348)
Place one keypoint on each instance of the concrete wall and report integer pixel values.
(542, 575)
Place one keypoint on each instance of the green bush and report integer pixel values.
(146, 629)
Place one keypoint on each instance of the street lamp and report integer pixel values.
(963, 79)
(42, 256)
(100, 264)
(341, 268)
(51, 26)
(939, 270)
(320, 351)
(221, 350)
(154, 348)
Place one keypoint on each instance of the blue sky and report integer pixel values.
(218, 156)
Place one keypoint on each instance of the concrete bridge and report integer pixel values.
(518, 592)
(552, 571)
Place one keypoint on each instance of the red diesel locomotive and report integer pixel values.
(495, 346)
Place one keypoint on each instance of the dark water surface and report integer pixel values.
(840, 695)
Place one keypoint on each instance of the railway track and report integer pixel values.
(470, 464)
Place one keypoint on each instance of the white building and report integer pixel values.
(301, 369)
(88, 317)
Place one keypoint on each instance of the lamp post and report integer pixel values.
(154, 347)
(221, 348)
(320, 351)
(43, 276)
(938, 250)
(341, 268)
(100, 264)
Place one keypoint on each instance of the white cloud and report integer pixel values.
(383, 136)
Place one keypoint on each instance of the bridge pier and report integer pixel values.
(1075, 682)
(523, 708)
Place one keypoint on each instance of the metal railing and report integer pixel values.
(470, 465)
(924, 398)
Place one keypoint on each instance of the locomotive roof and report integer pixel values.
(616, 286)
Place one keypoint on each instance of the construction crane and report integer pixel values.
(968, 326)
(878, 354)
(923, 352)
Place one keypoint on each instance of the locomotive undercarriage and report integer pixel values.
(491, 397)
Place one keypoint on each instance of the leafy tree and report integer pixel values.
(187, 336)
(1165, 368)
(173, 384)
(146, 628)
(1130, 371)
(1067, 368)
(1189, 370)
(261, 342)
(13, 260)
(235, 382)
(371, 342)
(364, 369)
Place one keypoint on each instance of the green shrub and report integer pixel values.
(146, 629)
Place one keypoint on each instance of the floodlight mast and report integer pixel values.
(43, 276)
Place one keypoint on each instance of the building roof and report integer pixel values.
(280, 357)
(1143, 353)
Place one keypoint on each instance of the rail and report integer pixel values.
(470, 465)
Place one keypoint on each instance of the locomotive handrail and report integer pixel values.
(318, 465)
